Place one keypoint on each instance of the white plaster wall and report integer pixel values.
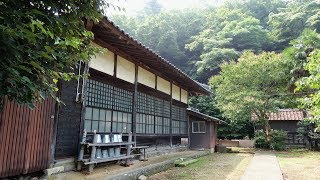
(175, 92)
(125, 69)
(147, 78)
(184, 96)
(163, 85)
(103, 62)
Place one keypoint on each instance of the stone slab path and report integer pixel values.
(263, 166)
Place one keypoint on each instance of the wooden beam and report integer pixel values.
(156, 82)
(115, 64)
(170, 114)
(134, 106)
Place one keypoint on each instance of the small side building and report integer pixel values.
(287, 120)
(202, 130)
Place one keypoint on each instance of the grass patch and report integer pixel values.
(184, 175)
(299, 164)
(201, 162)
(215, 166)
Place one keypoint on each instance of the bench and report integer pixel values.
(139, 148)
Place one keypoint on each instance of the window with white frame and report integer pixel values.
(198, 127)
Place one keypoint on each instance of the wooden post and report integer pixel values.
(134, 106)
(170, 114)
(93, 151)
(129, 148)
(82, 131)
(115, 61)
(189, 129)
(55, 126)
(80, 158)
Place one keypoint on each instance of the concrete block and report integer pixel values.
(54, 170)
(221, 149)
(246, 143)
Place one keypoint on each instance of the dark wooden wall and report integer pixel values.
(69, 119)
(144, 140)
(290, 126)
(25, 137)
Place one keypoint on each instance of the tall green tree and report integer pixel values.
(259, 9)
(168, 32)
(227, 33)
(253, 84)
(39, 42)
(305, 52)
(152, 7)
(290, 21)
(299, 50)
(311, 84)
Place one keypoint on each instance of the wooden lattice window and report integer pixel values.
(108, 108)
(99, 94)
(97, 119)
(153, 115)
(179, 121)
(122, 122)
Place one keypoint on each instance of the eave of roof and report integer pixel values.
(108, 35)
(191, 111)
(285, 115)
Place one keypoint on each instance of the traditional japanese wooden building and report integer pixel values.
(130, 89)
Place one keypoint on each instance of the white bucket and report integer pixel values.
(99, 138)
(117, 151)
(120, 137)
(98, 154)
(111, 152)
(106, 138)
(105, 153)
(115, 138)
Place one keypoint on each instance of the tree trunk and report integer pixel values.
(267, 128)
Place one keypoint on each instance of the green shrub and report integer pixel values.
(278, 138)
(260, 140)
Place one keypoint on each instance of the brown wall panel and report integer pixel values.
(25, 137)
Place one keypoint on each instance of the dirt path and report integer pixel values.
(263, 166)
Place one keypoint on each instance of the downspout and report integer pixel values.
(81, 99)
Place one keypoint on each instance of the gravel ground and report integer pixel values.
(112, 169)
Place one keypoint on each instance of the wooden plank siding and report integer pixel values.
(25, 137)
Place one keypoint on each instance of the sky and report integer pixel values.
(132, 7)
